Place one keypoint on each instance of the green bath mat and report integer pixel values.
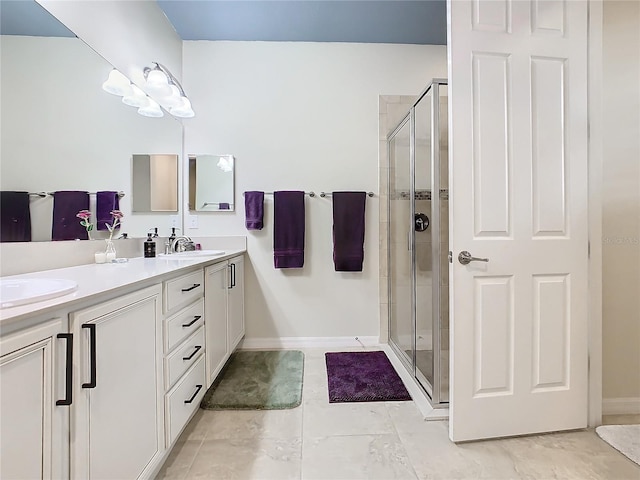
(258, 381)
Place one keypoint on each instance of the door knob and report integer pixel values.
(465, 258)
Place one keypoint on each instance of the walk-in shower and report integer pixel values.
(418, 241)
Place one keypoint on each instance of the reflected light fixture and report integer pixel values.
(161, 83)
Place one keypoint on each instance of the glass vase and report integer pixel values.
(110, 251)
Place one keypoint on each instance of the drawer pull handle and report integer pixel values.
(68, 398)
(195, 285)
(92, 351)
(198, 347)
(193, 397)
(195, 319)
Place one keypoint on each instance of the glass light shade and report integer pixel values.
(184, 110)
(158, 83)
(117, 84)
(137, 99)
(151, 110)
(173, 100)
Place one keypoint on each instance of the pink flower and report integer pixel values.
(117, 215)
(84, 214)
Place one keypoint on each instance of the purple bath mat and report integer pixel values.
(363, 377)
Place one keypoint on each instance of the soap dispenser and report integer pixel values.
(149, 247)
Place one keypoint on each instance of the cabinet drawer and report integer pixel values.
(183, 290)
(184, 399)
(185, 355)
(183, 324)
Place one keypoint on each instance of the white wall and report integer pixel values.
(300, 116)
(621, 204)
(61, 131)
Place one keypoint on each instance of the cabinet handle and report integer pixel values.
(92, 350)
(230, 267)
(68, 396)
(233, 275)
(195, 285)
(198, 347)
(193, 397)
(195, 319)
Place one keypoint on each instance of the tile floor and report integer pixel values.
(387, 440)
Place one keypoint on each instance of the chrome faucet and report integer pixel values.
(182, 244)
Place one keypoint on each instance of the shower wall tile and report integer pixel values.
(384, 214)
(390, 99)
(395, 113)
(444, 310)
(444, 339)
(383, 291)
(383, 157)
(383, 229)
(444, 267)
(382, 126)
(424, 262)
(408, 100)
(384, 321)
(383, 261)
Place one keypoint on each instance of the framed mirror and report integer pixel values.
(211, 183)
(155, 183)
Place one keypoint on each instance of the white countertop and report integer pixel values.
(97, 279)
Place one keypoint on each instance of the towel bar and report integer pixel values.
(326, 194)
(311, 194)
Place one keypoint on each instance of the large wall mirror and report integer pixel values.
(61, 131)
(211, 183)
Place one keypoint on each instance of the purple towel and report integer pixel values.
(348, 230)
(224, 206)
(15, 217)
(288, 229)
(66, 226)
(105, 203)
(254, 210)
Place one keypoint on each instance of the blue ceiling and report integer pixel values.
(362, 21)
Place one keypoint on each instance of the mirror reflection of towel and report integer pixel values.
(288, 229)
(223, 206)
(348, 230)
(15, 217)
(66, 205)
(106, 202)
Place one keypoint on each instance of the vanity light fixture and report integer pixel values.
(117, 84)
(151, 110)
(137, 98)
(161, 83)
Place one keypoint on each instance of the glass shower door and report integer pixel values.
(426, 278)
(401, 327)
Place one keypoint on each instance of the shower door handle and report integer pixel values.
(465, 258)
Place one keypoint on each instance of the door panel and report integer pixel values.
(518, 141)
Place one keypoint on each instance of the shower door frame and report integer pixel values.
(432, 389)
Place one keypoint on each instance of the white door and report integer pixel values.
(235, 321)
(518, 140)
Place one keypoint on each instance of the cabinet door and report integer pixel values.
(215, 319)
(118, 420)
(34, 440)
(236, 302)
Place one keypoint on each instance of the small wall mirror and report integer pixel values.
(211, 184)
(155, 183)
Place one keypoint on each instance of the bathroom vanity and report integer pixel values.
(99, 383)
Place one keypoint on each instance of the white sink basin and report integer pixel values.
(194, 254)
(31, 290)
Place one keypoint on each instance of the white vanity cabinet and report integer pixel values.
(224, 309)
(184, 350)
(117, 421)
(34, 400)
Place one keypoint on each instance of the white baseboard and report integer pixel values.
(621, 406)
(308, 342)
